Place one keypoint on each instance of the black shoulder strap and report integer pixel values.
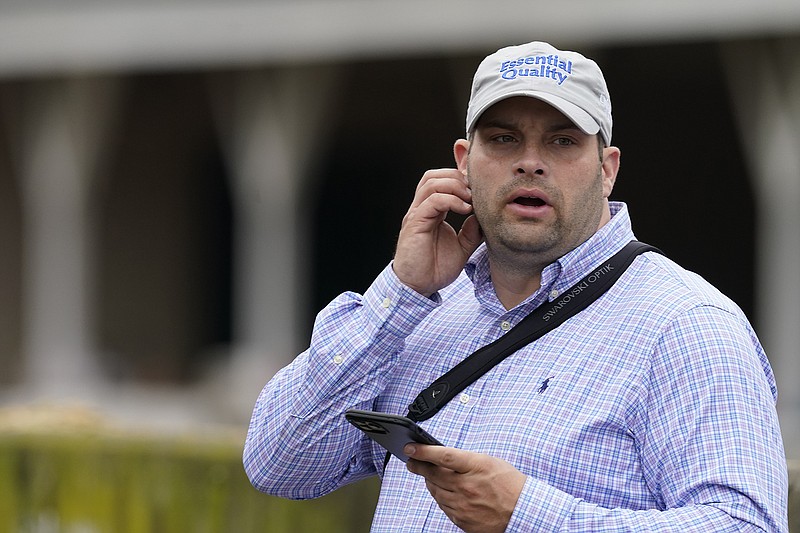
(540, 321)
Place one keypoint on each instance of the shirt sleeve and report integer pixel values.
(708, 438)
(299, 444)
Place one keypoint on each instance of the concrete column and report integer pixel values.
(765, 85)
(60, 137)
(271, 125)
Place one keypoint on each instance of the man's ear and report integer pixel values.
(461, 153)
(610, 165)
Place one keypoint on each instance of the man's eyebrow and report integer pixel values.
(564, 126)
(497, 123)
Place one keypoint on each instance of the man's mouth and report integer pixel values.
(532, 201)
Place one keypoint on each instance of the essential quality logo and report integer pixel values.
(540, 66)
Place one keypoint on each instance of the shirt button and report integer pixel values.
(505, 325)
(338, 359)
(464, 398)
(553, 294)
(386, 303)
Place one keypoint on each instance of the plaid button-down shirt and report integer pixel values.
(651, 410)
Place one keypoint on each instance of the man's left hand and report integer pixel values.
(477, 492)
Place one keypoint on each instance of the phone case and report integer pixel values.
(392, 432)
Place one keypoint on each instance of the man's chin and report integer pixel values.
(526, 245)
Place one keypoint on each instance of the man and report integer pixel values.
(651, 410)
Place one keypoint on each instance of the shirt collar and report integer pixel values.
(568, 269)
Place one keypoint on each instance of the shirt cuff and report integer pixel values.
(394, 307)
(541, 507)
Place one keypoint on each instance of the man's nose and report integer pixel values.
(530, 162)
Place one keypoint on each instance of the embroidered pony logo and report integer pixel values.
(545, 384)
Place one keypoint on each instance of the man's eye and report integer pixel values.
(564, 141)
(505, 138)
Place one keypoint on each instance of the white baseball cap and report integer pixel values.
(568, 81)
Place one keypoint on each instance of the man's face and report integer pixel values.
(539, 184)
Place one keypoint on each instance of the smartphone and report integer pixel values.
(392, 432)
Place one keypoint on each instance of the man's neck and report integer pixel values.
(512, 286)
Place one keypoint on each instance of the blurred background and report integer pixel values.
(184, 184)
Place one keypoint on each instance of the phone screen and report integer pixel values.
(392, 432)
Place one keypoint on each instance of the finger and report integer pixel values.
(441, 482)
(421, 468)
(441, 173)
(443, 198)
(447, 498)
(460, 461)
(435, 208)
(445, 184)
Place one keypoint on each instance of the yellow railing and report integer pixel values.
(794, 496)
(89, 478)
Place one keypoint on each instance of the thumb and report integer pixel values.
(470, 236)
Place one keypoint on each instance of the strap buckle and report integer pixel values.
(425, 404)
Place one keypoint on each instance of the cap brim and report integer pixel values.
(578, 116)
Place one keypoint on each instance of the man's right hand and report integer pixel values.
(430, 254)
